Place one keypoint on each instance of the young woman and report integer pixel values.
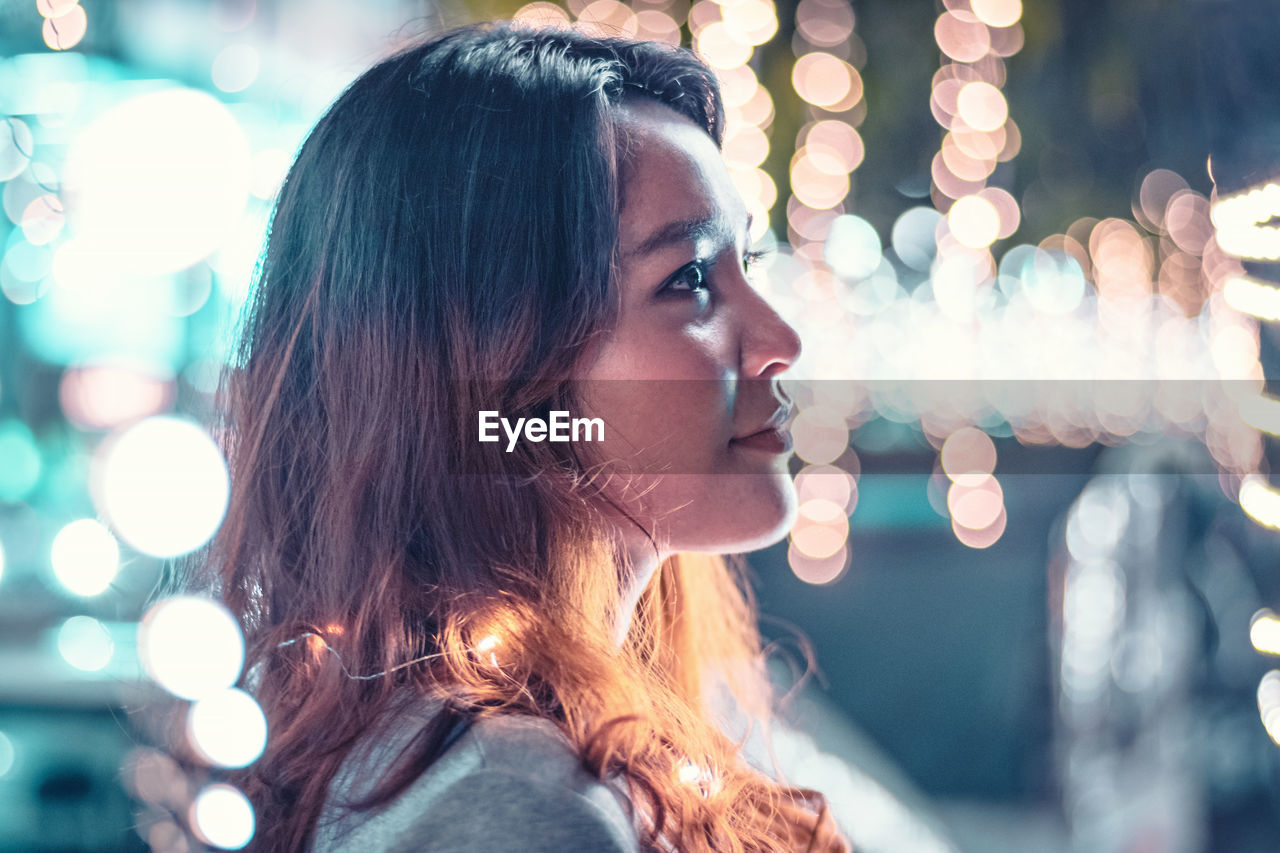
(520, 643)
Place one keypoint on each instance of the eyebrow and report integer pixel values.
(681, 231)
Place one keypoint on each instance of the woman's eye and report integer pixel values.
(750, 258)
(690, 279)
(693, 278)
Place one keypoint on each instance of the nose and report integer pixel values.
(769, 344)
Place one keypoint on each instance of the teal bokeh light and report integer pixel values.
(19, 461)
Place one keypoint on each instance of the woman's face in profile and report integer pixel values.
(689, 370)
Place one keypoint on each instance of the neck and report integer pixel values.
(642, 562)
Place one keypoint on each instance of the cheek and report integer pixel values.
(661, 425)
(664, 342)
(664, 395)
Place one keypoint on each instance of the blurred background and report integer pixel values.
(1031, 248)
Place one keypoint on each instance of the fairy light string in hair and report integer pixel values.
(485, 645)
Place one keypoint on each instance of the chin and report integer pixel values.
(740, 519)
(766, 534)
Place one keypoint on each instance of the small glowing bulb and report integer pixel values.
(696, 775)
(487, 645)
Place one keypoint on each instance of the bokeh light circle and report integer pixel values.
(162, 484)
(607, 17)
(65, 31)
(85, 644)
(16, 147)
(997, 13)
(1155, 192)
(820, 539)
(85, 557)
(818, 570)
(20, 461)
(982, 106)
(222, 816)
(719, 47)
(1053, 281)
(156, 182)
(820, 435)
(55, 8)
(106, 394)
(827, 482)
(913, 236)
(191, 646)
(968, 455)
(853, 247)
(840, 139)
(752, 22)
(656, 25)
(235, 67)
(961, 36)
(825, 24)
(825, 80)
(975, 505)
(227, 728)
(815, 187)
(974, 222)
(540, 14)
(984, 538)
(42, 219)
(1006, 208)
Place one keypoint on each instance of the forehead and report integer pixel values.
(674, 171)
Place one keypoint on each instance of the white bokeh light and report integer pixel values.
(154, 183)
(85, 557)
(853, 247)
(162, 484)
(235, 68)
(227, 728)
(85, 644)
(191, 646)
(974, 222)
(1053, 281)
(913, 236)
(222, 817)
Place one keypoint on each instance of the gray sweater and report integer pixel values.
(513, 783)
(506, 783)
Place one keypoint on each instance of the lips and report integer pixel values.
(777, 440)
(773, 424)
(771, 437)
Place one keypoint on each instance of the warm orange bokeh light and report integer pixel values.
(825, 80)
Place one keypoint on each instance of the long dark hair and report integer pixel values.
(445, 243)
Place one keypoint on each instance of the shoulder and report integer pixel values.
(503, 810)
(510, 782)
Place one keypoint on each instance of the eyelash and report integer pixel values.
(749, 260)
